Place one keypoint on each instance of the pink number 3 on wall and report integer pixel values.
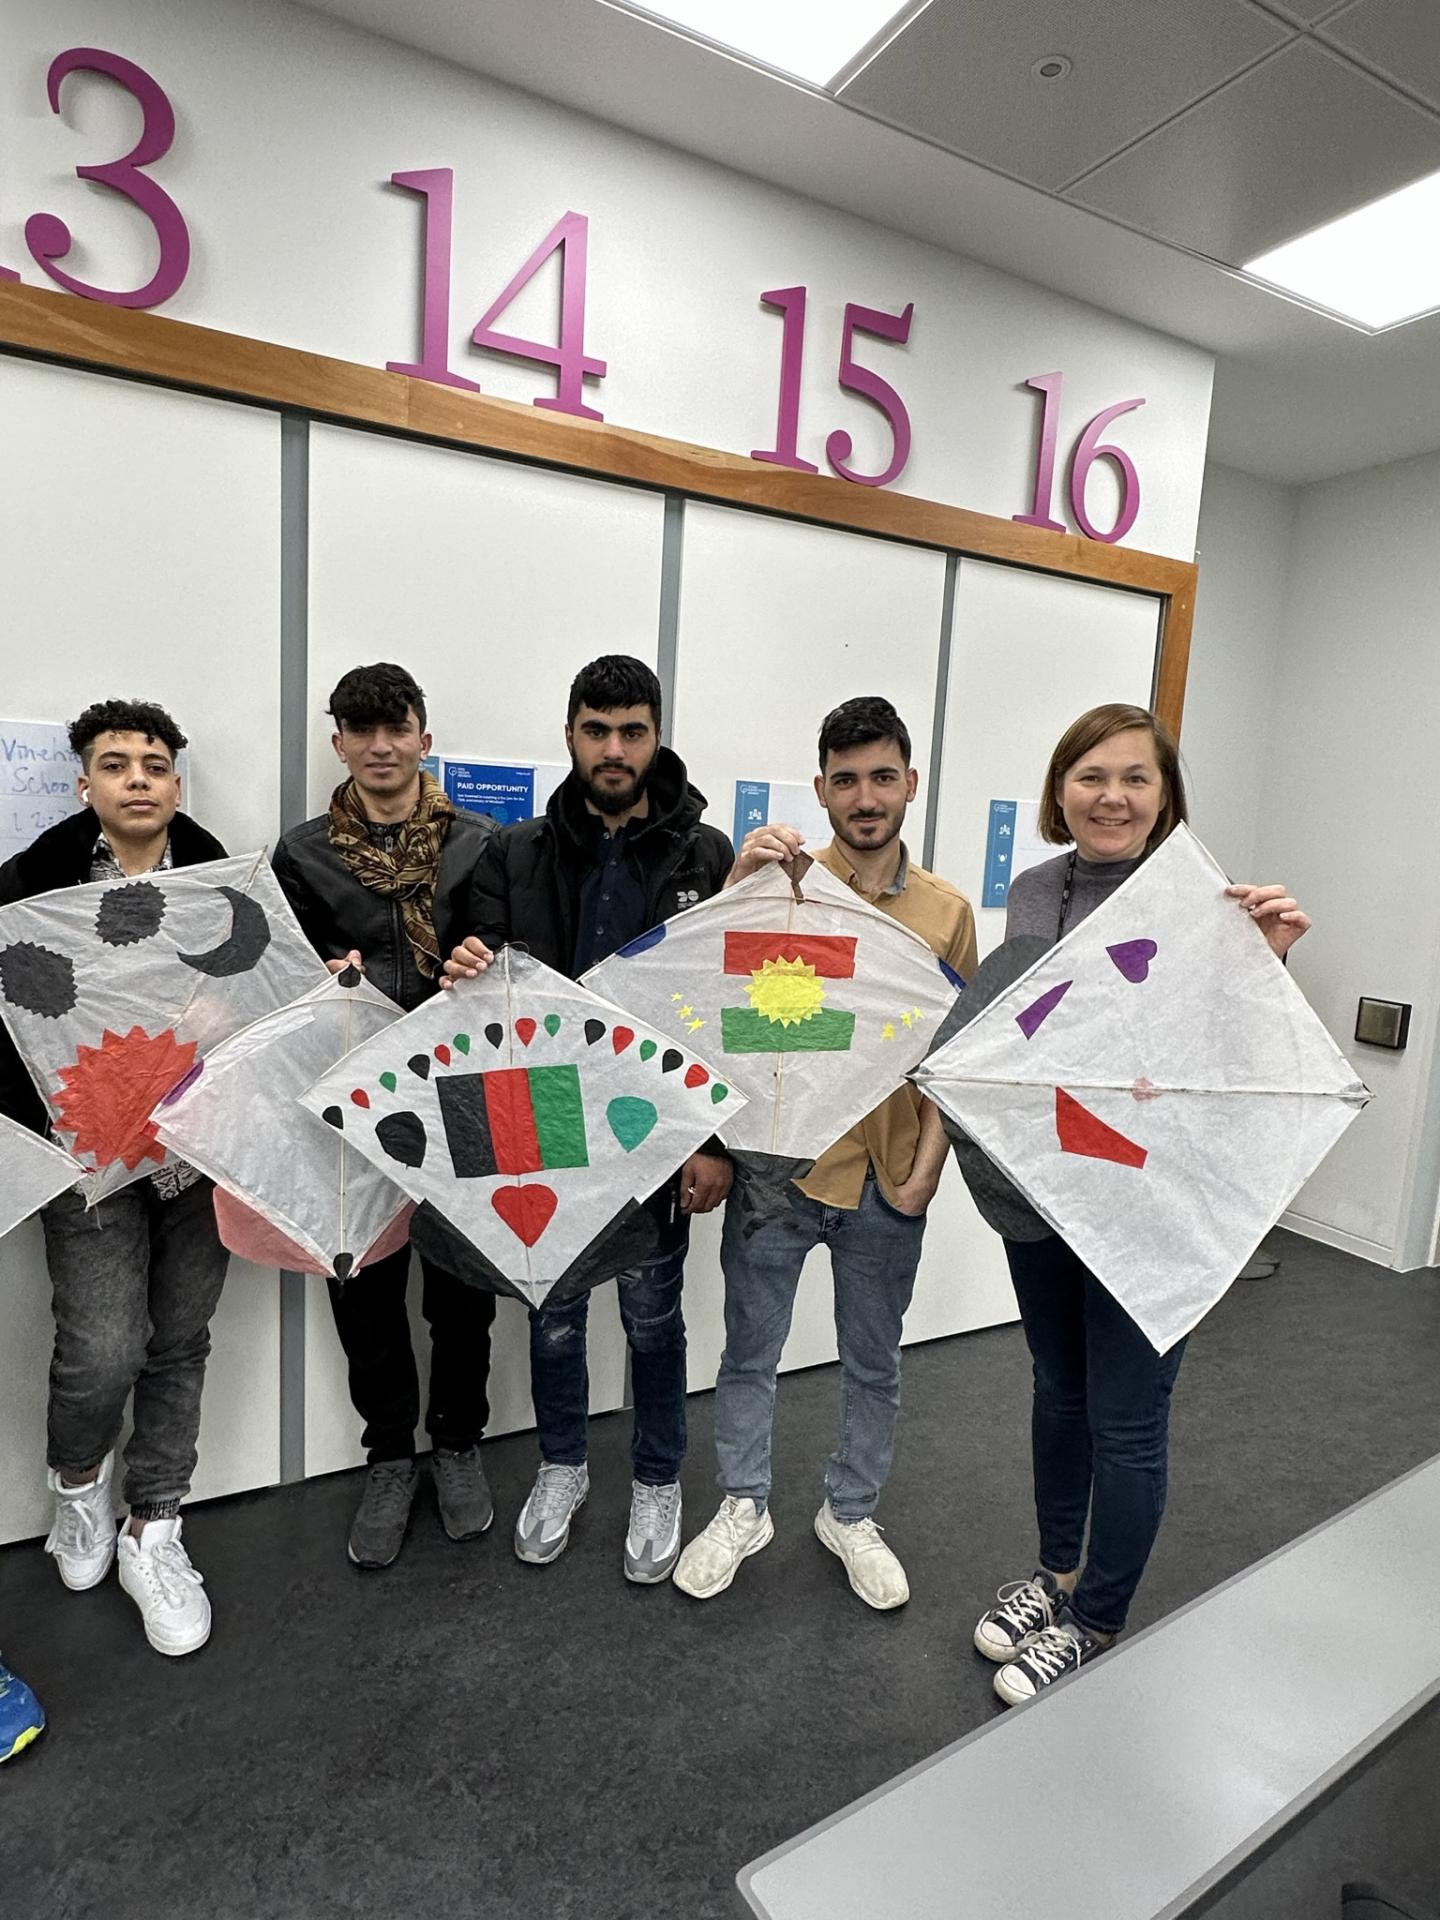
(46, 234)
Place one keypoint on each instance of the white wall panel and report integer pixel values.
(1029, 653)
(139, 547)
(493, 583)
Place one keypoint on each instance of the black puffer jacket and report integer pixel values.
(527, 885)
(338, 913)
(61, 857)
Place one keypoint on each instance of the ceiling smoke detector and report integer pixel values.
(1054, 66)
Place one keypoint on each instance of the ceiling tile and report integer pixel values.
(1291, 144)
(960, 75)
(1400, 38)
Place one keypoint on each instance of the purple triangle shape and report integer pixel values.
(1040, 1010)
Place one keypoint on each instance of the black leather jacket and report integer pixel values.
(337, 913)
(61, 857)
(527, 884)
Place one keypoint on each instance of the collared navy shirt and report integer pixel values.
(612, 898)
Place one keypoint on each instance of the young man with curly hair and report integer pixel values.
(136, 1278)
(381, 880)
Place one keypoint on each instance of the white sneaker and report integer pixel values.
(155, 1571)
(83, 1536)
(872, 1569)
(652, 1544)
(712, 1559)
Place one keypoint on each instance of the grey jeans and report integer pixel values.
(874, 1252)
(134, 1284)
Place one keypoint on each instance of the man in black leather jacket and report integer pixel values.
(620, 847)
(382, 880)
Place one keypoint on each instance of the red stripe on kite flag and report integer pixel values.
(832, 955)
(512, 1121)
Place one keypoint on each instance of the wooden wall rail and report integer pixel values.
(175, 353)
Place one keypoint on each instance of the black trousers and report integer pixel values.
(374, 1327)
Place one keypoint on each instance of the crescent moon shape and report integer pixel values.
(248, 938)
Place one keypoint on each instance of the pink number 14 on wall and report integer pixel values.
(569, 237)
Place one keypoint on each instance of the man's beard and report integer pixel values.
(867, 846)
(613, 800)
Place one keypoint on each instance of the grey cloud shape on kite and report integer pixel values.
(37, 979)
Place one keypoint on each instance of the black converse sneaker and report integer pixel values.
(1059, 1650)
(1026, 1608)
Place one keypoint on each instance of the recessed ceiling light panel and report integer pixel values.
(815, 40)
(1377, 266)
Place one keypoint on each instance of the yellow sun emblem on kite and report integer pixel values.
(786, 991)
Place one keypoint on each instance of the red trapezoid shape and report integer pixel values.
(1080, 1131)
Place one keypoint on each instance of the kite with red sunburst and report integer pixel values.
(111, 1091)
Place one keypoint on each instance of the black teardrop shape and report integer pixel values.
(344, 1265)
(333, 1117)
(494, 1033)
(419, 1063)
(402, 1135)
(349, 977)
(669, 1060)
(594, 1030)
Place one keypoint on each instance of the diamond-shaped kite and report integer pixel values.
(1156, 1086)
(32, 1172)
(289, 1192)
(532, 1115)
(815, 1008)
(111, 993)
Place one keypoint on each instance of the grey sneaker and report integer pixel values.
(542, 1532)
(652, 1546)
(466, 1508)
(377, 1532)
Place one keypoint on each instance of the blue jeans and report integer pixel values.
(1099, 1430)
(655, 1328)
(874, 1252)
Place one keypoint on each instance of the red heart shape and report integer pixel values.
(527, 1211)
(442, 1054)
(696, 1076)
(620, 1038)
(526, 1031)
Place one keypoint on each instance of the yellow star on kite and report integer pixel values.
(917, 1013)
(677, 996)
(908, 1019)
(685, 1012)
(887, 1032)
(695, 1025)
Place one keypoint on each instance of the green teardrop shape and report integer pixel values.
(647, 1049)
(552, 1024)
(462, 1042)
(387, 1080)
(718, 1093)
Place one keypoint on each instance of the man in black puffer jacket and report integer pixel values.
(382, 880)
(621, 846)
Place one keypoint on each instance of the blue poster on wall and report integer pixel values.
(506, 793)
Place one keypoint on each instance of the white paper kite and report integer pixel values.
(532, 1115)
(1156, 1086)
(289, 1192)
(111, 992)
(815, 1009)
(32, 1171)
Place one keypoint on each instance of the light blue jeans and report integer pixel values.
(874, 1252)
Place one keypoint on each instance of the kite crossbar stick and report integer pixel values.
(1358, 1092)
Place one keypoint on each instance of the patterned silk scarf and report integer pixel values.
(408, 869)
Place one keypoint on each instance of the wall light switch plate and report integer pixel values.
(1383, 1023)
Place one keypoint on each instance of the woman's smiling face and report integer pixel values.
(1112, 796)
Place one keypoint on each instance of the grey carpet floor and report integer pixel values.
(466, 1736)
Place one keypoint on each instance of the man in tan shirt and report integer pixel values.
(864, 1199)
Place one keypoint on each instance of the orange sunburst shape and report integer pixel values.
(111, 1091)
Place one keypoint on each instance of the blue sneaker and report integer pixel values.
(22, 1719)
